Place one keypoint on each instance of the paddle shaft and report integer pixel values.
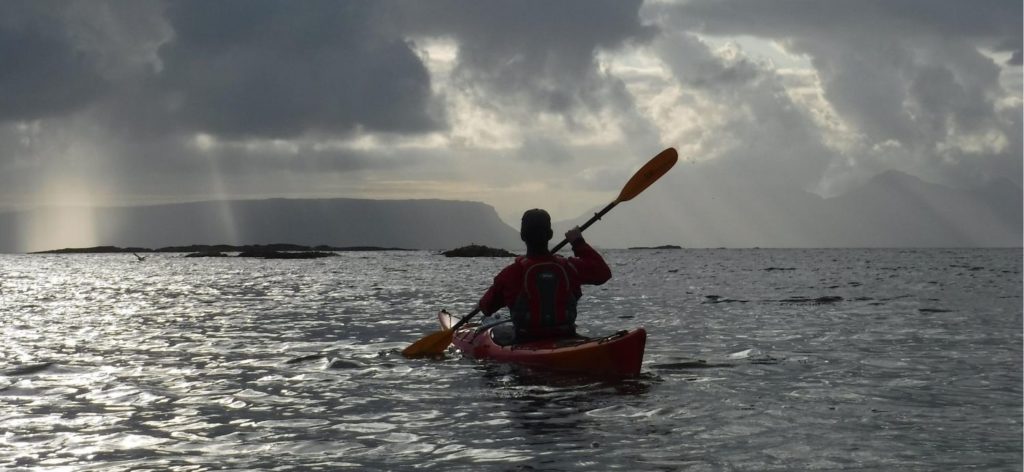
(641, 179)
(592, 220)
(465, 319)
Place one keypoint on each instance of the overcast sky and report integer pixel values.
(514, 103)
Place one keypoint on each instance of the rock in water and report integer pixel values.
(26, 369)
(343, 364)
(474, 250)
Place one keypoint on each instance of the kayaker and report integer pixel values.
(541, 289)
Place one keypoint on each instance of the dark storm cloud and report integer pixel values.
(276, 69)
(695, 66)
(158, 98)
(230, 68)
(42, 71)
(539, 52)
(281, 69)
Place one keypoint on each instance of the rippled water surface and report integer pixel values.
(756, 360)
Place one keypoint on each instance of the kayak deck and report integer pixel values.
(616, 355)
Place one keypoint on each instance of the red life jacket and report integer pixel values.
(546, 306)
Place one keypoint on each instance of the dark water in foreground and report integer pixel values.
(812, 360)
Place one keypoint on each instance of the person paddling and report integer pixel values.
(498, 295)
(541, 289)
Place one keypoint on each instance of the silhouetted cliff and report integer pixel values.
(413, 224)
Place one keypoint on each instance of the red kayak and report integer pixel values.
(617, 355)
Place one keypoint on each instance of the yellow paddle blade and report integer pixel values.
(648, 174)
(432, 344)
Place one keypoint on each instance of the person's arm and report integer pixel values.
(590, 267)
(494, 298)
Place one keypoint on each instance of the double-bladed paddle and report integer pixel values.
(435, 343)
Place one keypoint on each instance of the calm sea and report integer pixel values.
(756, 360)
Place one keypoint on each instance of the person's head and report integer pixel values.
(535, 229)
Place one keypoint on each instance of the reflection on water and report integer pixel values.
(757, 360)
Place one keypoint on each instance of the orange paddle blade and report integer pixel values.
(648, 174)
(432, 344)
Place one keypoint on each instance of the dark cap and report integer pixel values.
(535, 226)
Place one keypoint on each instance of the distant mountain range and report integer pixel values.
(412, 224)
(892, 210)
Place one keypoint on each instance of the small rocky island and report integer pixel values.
(262, 251)
(206, 254)
(475, 250)
(667, 246)
(272, 254)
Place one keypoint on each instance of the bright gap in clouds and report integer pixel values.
(470, 125)
(510, 156)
